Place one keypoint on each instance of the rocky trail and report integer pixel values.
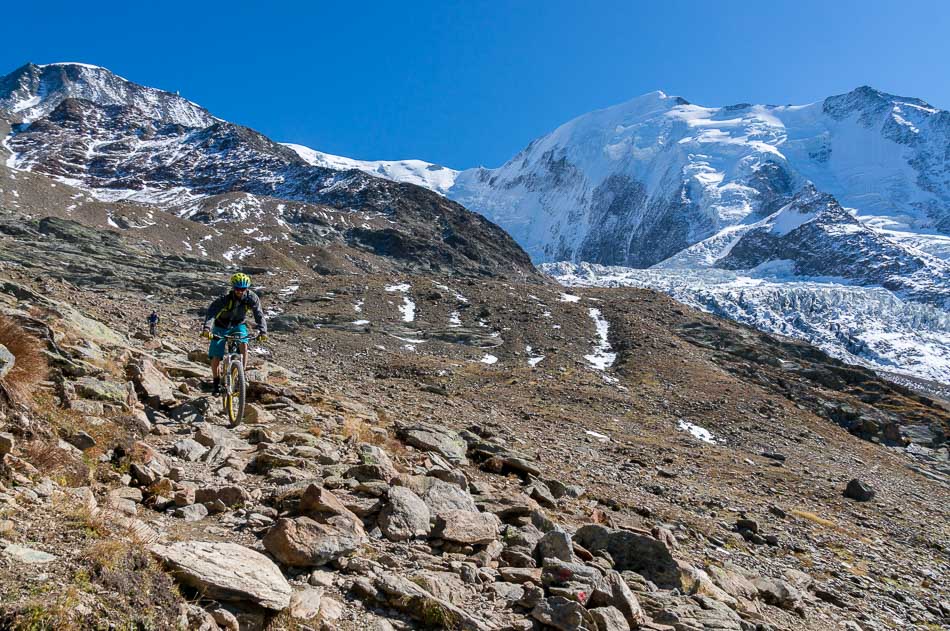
(421, 497)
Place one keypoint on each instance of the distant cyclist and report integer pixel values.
(153, 323)
(225, 316)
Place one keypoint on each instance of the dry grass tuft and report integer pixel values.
(58, 463)
(30, 365)
(815, 519)
(359, 430)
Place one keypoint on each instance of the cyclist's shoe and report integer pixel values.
(216, 387)
(206, 334)
(262, 337)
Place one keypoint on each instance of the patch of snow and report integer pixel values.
(455, 319)
(602, 357)
(432, 176)
(458, 296)
(601, 437)
(701, 433)
(360, 322)
(488, 359)
(289, 290)
(237, 252)
(569, 298)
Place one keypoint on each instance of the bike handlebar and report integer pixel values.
(236, 338)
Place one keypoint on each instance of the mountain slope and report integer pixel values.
(124, 142)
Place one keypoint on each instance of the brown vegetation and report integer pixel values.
(30, 365)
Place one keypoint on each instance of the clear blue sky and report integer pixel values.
(471, 83)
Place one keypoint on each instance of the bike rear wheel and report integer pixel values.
(236, 394)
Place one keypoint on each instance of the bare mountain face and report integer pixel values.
(124, 142)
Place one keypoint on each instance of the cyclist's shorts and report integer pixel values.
(216, 348)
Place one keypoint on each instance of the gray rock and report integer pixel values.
(305, 603)
(157, 389)
(230, 495)
(405, 515)
(227, 571)
(860, 491)
(81, 440)
(609, 619)
(466, 527)
(555, 544)
(613, 592)
(509, 592)
(441, 440)
(210, 435)
(414, 601)
(699, 612)
(193, 512)
(557, 572)
(633, 551)
(108, 391)
(24, 554)
(780, 594)
(7, 361)
(188, 449)
(564, 615)
(440, 495)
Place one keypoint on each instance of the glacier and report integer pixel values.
(868, 326)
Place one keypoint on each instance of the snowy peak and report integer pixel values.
(432, 176)
(33, 91)
(869, 102)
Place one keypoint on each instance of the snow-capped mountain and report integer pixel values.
(33, 91)
(120, 141)
(637, 183)
(419, 172)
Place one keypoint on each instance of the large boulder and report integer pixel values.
(99, 390)
(156, 389)
(780, 593)
(441, 440)
(612, 592)
(303, 542)
(637, 552)
(440, 495)
(227, 571)
(405, 515)
(859, 490)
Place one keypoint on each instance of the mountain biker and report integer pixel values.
(226, 315)
(153, 323)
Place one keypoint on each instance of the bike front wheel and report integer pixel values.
(235, 394)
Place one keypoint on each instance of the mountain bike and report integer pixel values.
(233, 383)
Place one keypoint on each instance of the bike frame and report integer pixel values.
(232, 377)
